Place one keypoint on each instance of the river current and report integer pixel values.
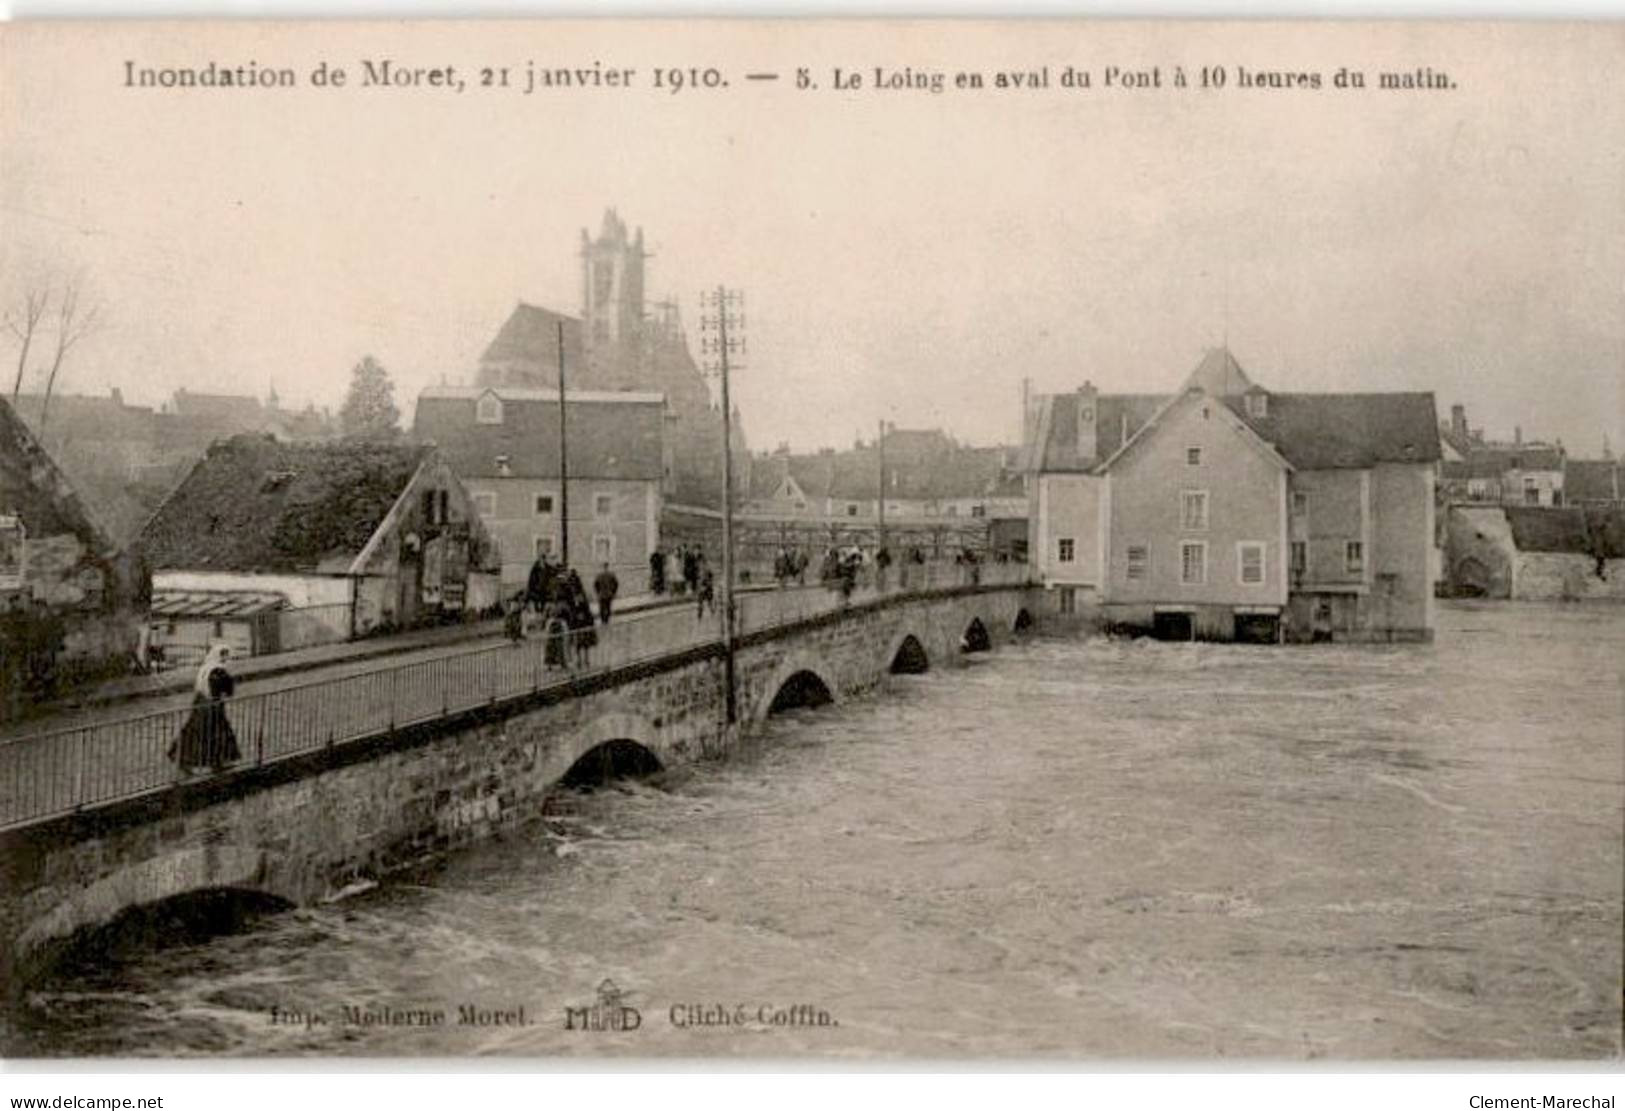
(1068, 848)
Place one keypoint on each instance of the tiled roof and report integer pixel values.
(1117, 417)
(613, 435)
(252, 504)
(1322, 431)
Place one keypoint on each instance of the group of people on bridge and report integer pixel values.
(556, 599)
(683, 570)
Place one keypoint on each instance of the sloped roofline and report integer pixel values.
(359, 563)
(1253, 439)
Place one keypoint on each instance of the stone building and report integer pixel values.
(504, 443)
(1230, 511)
(356, 537)
(70, 598)
(1531, 553)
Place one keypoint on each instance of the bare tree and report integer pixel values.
(73, 323)
(23, 323)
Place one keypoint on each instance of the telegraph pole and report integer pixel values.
(880, 446)
(564, 463)
(726, 315)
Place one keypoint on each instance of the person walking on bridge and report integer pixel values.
(207, 740)
(606, 586)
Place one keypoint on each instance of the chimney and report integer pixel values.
(1458, 421)
(118, 396)
(1517, 434)
(1088, 404)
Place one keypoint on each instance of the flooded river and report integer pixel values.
(1068, 848)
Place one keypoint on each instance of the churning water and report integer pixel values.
(1086, 848)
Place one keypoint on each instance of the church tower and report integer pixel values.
(612, 303)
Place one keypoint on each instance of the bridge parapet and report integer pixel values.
(68, 771)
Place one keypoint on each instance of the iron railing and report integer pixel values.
(64, 771)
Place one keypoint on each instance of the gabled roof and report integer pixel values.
(531, 336)
(1327, 431)
(255, 505)
(35, 489)
(1193, 396)
(1117, 417)
(611, 434)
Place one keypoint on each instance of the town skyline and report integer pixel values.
(908, 258)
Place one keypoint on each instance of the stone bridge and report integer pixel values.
(301, 829)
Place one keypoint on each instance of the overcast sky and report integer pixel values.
(905, 255)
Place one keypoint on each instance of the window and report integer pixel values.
(1531, 492)
(851, 510)
(445, 506)
(1193, 456)
(544, 505)
(603, 548)
(978, 511)
(1193, 510)
(485, 503)
(544, 545)
(488, 410)
(603, 505)
(1065, 549)
(1300, 505)
(1069, 599)
(1258, 405)
(1139, 562)
(1354, 556)
(1250, 562)
(1300, 557)
(1193, 562)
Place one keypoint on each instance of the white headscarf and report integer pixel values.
(215, 657)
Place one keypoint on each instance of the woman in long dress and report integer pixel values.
(207, 740)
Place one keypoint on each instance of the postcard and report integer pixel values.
(1044, 540)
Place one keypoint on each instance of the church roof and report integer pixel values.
(531, 336)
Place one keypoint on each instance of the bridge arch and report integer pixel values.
(607, 735)
(975, 638)
(189, 871)
(801, 679)
(906, 655)
(1023, 623)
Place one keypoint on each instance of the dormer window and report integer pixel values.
(1258, 404)
(488, 409)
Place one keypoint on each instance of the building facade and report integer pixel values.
(504, 444)
(1229, 511)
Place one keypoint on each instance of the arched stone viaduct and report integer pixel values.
(304, 829)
